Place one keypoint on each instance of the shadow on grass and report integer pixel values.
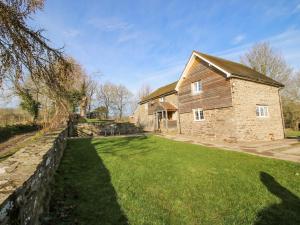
(83, 192)
(285, 213)
(115, 146)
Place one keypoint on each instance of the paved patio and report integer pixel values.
(287, 149)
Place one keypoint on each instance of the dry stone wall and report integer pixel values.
(106, 129)
(25, 179)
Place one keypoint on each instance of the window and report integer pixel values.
(146, 107)
(161, 99)
(196, 87)
(262, 111)
(198, 114)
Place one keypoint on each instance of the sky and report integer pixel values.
(150, 41)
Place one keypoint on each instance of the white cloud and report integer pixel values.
(162, 76)
(70, 33)
(238, 39)
(127, 36)
(109, 24)
(286, 42)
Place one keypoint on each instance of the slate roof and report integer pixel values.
(240, 70)
(165, 90)
(235, 69)
(168, 106)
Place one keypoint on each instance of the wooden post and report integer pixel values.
(166, 118)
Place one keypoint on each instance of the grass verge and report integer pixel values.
(151, 180)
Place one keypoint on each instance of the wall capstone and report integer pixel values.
(25, 179)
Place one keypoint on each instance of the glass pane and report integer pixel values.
(257, 111)
(266, 111)
(196, 115)
(261, 111)
(201, 115)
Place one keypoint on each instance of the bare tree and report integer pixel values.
(121, 98)
(294, 87)
(266, 60)
(144, 91)
(22, 48)
(105, 96)
(91, 92)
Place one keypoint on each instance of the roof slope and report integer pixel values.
(240, 70)
(167, 89)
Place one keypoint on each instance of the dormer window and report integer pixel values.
(197, 87)
(161, 99)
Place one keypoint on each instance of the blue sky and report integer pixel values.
(149, 41)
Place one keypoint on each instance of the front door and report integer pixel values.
(159, 119)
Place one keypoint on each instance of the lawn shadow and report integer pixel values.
(83, 192)
(285, 213)
(123, 145)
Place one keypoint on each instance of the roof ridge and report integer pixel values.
(160, 91)
(229, 67)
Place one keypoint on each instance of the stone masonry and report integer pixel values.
(219, 124)
(246, 95)
(25, 179)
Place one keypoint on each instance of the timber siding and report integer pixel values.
(153, 103)
(230, 95)
(216, 89)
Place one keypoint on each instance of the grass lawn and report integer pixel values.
(12, 130)
(155, 181)
(87, 120)
(292, 133)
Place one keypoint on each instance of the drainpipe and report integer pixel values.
(282, 117)
(178, 115)
(166, 118)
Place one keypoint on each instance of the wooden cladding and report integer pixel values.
(216, 91)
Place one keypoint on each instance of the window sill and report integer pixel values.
(196, 93)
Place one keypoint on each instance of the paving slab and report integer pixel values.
(286, 149)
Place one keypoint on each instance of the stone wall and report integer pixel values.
(218, 124)
(25, 179)
(246, 96)
(143, 119)
(105, 129)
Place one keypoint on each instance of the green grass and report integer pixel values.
(97, 120)
(155, 181)
(292, 133)
(12, 130)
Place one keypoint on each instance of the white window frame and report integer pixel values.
(262, 111)
(200, 113)
(161, 99)
(197, 87)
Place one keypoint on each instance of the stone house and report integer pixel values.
(215, 99)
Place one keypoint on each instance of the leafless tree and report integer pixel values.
(105, 95)
(144, 91)
(121, 99)
(92, 86)
(294, 87)
(22, 48)
(266, 60)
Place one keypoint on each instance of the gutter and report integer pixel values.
(162, 95)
